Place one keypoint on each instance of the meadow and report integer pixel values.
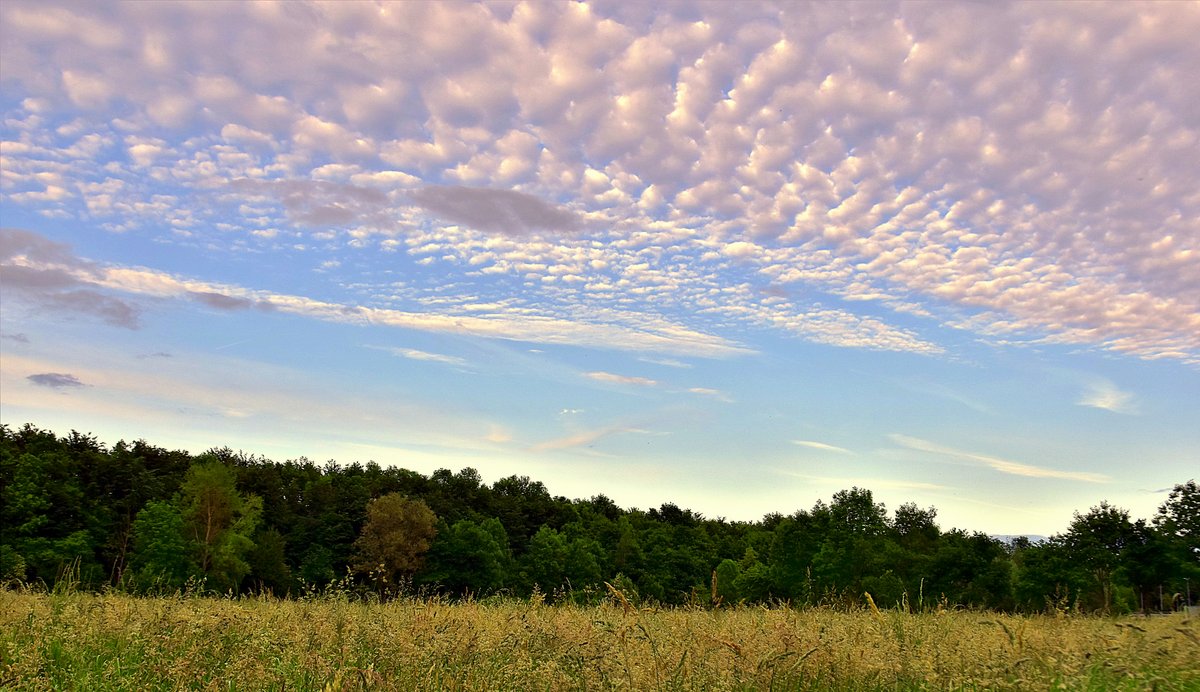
(82, 641)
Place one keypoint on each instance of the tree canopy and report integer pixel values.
(143, 518)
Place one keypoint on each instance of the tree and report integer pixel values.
(725, 582)
(544, 564)
(1179, 518)
(1098, 541)
(1047, 576)
(466, 557)
(394, 539)
(268, 563)
(916, 527)
(971, 570)
(162, 554)
(1148, 564)
(220, 521)
(855, 511)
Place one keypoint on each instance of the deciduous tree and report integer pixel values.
(394, 539)
(220, 522)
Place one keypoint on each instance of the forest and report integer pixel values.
(142, 519)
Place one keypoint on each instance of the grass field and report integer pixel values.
(116, 642)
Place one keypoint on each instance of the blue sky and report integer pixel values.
(729, 255)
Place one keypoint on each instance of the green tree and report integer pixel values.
(220, 521)
(725, 581)
(1179, 516)
(1048, 577)
(544, 564)
(1178, 522)
(394, 539)
(795, 543)
(1148, 565)
(465, 557)
(268, 563)
(162, 554)
(1098, 541)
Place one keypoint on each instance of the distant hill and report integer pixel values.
(1009, 538)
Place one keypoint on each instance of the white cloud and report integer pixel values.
(713, 393)
(995, 463)
(821, 446)
(1019, 171)
(660, 336)
(415, 354)
(611, 378)
(586, 438)
(1105, 395)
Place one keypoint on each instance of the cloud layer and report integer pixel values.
(859, 175)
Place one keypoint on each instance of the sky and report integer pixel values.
(730, 255)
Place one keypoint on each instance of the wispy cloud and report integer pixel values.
(606, 331)
(669, 362)
(876, 483)
(713, 393)
(48, 275)
(995, 463)
(1105, 395)
(812, 444)
(415, 354)
(611, 378)
(585, 438)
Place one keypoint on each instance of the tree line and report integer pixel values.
(145, 519)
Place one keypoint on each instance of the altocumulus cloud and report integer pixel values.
(494, 211)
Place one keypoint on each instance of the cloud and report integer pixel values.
(669, 362)
(18, 337)
(844, 481)
(611, 378)
(1105, 395)
(821, 446)
(975, 166)
(995, 463)
(495, 211)
(220, 301)
(414, 354)
(609, 330)
(322, 203)
(710, 392)
(48, 275)
(585, 438)
(498, 434)
(55, 380)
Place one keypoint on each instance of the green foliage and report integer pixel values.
(725, 579)
(268, 564)
(397, 534)
(162, 552)
(219, 521)
(466, 558)
(144, 517)
(544, 565)
(1179, 516)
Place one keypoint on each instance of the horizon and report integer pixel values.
(486, 482)
(736, 258)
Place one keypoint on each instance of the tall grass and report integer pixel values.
(78, 641)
